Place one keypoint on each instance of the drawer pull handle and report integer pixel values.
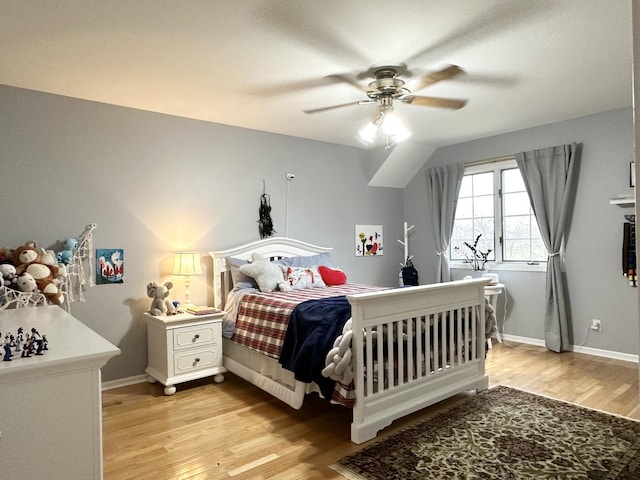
(197, 359)
(196, 336)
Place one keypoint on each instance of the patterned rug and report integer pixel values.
(503, 433)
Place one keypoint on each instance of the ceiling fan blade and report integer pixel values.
(433, 102)
(350, 104)
(434, 77)
(347, 79)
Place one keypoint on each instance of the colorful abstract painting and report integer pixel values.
(368, 240)
(109, 266)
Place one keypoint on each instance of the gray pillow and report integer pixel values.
(308, 261)
(240, 279)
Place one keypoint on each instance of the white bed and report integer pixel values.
(428, 366)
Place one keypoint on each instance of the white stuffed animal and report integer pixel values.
(26, 282)
(8, 274)
(160, 305)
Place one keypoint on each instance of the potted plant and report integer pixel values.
(474, 256)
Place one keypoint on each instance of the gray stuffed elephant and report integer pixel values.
(160, 305)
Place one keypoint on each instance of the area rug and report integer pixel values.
(504, 433)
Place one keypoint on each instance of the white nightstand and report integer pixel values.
(184, 347)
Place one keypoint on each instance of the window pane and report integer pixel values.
(517, 227)
(464, 208)
(483, 206)
(457, 248)
(517, 250)
(538, 251)
(462, 230)
(516, 203)
(465, 188)
(512, 181)
(484, 226)
(520, 229)
(535, 230)
(483, 183)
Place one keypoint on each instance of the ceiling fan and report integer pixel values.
(387, 87)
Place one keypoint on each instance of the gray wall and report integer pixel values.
(597, 288)
(155, 184)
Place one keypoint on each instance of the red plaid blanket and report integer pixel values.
(263, 319)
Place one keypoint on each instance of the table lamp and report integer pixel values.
(186, 264)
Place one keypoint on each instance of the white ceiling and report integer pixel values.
(259, 63)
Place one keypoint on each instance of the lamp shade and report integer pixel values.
(186, 263)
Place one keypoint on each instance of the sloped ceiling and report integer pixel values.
(258, 64)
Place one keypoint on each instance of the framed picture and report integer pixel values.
(632, 174)
(368, 240)
(109, 266)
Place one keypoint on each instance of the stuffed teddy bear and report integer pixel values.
(6, 254)
(28, 258)
(66, 255)
(160, 305)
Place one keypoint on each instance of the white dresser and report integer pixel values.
(51, 404)
(184, 347)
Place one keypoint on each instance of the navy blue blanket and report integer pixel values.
(313, 328)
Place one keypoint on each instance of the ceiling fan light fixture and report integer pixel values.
(367, 134)
(392, 128)
(385, 125)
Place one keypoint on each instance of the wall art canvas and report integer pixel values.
(368, 241)
(109, 266)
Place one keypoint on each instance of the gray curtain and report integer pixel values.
(443, 186)
(550, 176)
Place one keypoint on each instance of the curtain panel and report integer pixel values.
(443, 187)
(550, 177)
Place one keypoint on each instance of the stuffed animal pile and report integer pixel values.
(30, 268)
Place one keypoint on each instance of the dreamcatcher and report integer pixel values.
(265, 224)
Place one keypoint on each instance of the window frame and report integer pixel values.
(496, 166)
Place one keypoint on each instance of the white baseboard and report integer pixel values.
(125, 382)
(627, 357)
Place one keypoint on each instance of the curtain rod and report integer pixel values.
(490, 160)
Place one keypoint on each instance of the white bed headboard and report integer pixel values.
(272, 248)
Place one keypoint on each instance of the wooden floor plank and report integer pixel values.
(234, 430)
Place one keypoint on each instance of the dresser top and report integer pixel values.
(71, 344)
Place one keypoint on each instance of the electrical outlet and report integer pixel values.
(596, 325)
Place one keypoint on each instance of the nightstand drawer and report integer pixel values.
(195, 360)
(194, 336)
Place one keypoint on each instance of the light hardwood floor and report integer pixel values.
(234, 430)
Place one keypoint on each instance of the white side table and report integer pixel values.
(184, 347)
(492, 292)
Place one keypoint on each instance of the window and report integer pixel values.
(493, 207)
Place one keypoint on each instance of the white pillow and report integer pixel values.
(267, 275)
(303, 277)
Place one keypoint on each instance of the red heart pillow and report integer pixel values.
(332, 276)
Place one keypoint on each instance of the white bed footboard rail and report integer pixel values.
(414, 347)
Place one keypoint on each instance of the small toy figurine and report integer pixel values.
(7, 352)
(19, 340)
